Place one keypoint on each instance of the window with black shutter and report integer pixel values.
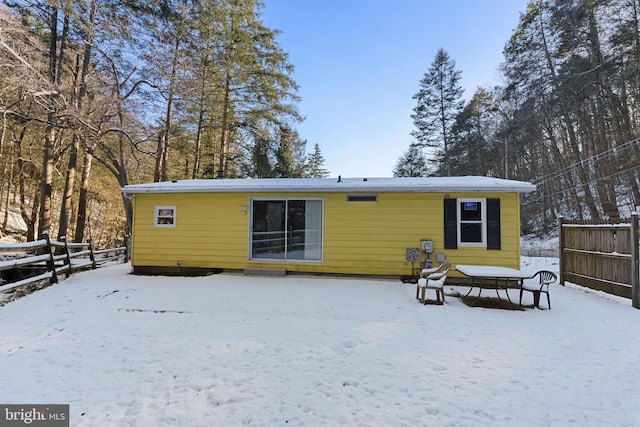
(472, 222)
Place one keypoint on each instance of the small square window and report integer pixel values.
(165, 216)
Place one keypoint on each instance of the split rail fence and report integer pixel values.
(47, 259)
(602, 256)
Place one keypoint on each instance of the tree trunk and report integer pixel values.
(582, 173)
(65, 210)
(198, 144)
(225, 120)
(162, 154)
(605, 184)
(26, 170)
(157, 174)
(5, 180)
(35, 207)
(8, 185)
(83, 197)
(50, 134)
(44, 223)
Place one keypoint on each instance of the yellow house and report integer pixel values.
(375, 226)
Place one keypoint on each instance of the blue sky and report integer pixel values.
(359, 62)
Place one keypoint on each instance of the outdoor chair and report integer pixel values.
(433, 278)
(426, 272)
(436, 284)
(538, 286)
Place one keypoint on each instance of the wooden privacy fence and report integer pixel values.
(602, 256)
(51, 259)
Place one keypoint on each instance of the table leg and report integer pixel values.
(507, 292)
(473, 282)
(498, 288)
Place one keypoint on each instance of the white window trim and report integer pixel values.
(287, 261)
(483, 222)
(156, 216)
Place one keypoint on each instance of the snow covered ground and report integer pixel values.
(540, 247)
(230, 350)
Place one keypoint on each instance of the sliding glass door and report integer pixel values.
(286, 229)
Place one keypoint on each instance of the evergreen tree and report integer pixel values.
(315, 164)
(439, 101)
(261, 158)
(290, 155)
(470, 152)
(220, 73)
(412, 163)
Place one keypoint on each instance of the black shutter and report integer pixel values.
(493, 224)
(450, 224)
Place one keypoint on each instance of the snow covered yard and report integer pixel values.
(230, 350)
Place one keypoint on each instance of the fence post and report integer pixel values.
(67, 259)
(635, 262)
(561, 248)
(51, 265)
(92, 257)
(127, 247)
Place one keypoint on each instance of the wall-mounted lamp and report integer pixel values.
(244, 209)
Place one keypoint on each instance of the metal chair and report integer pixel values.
(538, 286)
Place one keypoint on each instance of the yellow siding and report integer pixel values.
(359, 237)
(209, 229)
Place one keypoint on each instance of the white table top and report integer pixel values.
(493, 272)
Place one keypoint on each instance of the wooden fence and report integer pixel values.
(46, 259)
(602, 256)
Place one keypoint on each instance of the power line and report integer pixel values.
(573, 166)
(593, 181)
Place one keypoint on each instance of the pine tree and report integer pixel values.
(315, 164)
(261, 158)
(412, 163)
(471, 151)
(439, 101)
(254, 76)
(290, 155)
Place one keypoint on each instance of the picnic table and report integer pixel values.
(493, 277)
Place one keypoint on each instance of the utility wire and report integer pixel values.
(593, 181)
(573, 166)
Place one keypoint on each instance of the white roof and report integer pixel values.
(335, 185)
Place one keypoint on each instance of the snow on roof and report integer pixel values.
(335, 185)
